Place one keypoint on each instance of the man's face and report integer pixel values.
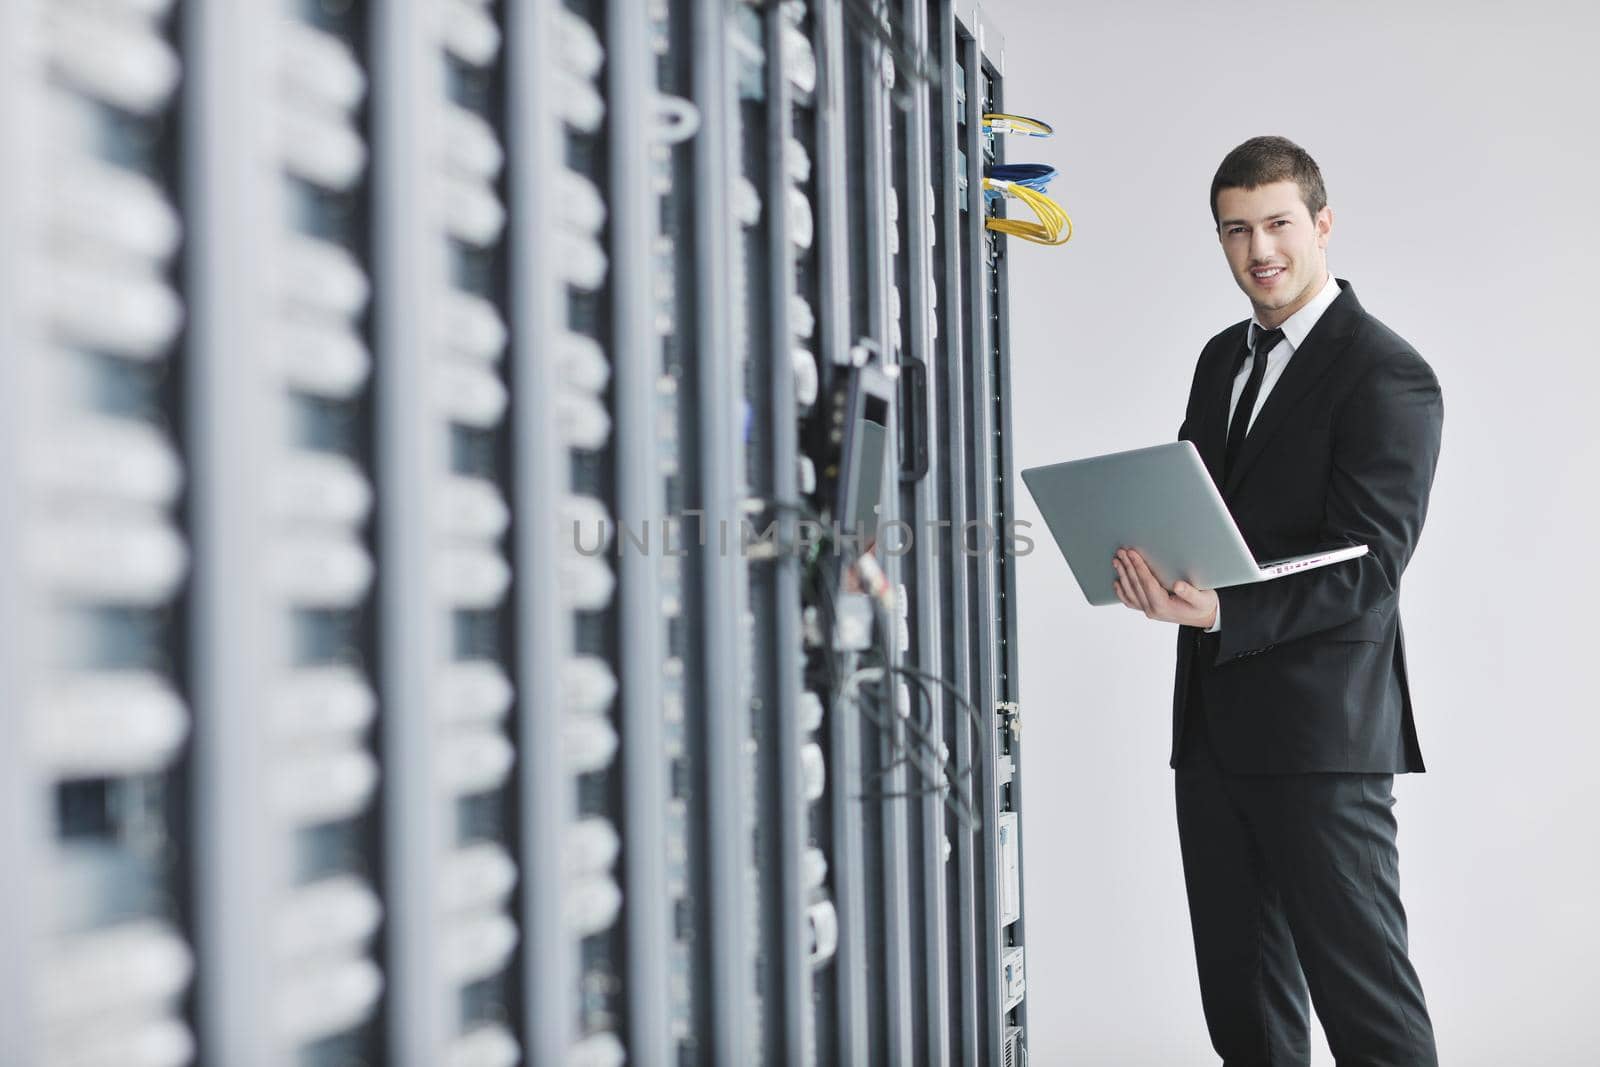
(1276, 250)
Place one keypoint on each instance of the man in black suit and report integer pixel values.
(1291, 711)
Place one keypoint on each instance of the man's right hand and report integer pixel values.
(1138, 588)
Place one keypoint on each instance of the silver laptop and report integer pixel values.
(1161, 501)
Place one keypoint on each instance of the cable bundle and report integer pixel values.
(1054, 226)
(1035, 176)
(1000, 122)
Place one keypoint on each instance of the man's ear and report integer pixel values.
(1324, 222)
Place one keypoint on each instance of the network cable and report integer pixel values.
(922, 754)
(930, 761)
(1035, 176)
(925, 755)
(1000, 122)
(1054, 225)
(944, 776)
(959, 800)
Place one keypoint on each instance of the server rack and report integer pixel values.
(592, 893)
(651, 708)
(791, 870)
(831, 898)
(98, 927)
(992, 480)
(985, 928)
(846, 1034)
(448, 639)
(287, 871)
(917, 306)
(100, 547)
(485, 389)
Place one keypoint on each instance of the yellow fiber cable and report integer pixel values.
(1002, 123)
(1054, 226)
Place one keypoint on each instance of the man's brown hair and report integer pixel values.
(1264, 160)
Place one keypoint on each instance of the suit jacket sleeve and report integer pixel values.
(1184, 632)
(1385, 449)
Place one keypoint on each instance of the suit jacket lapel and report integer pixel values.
(1211, 440)
(1310, 362)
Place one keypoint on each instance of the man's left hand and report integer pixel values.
(1138, 588)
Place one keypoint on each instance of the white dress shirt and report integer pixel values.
(1295, 328)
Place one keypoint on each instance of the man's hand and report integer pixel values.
(1138, 588)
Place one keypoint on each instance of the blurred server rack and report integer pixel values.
(511, 375)
(844, 989)
(914, 331)
(676, 122)
(285, 851)
(640, 131)
(830, 999)
(581, 989)
(449, 636)
(763, 278)
(553, 370)
(721, 719)
(95, 549)
(868, 74)
(709, 735)
(948, 122)
(594, 789)
(886, 757)
(22, 802)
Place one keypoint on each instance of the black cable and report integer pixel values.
(821, 581)
(923, 738)
(886, 726)
(924, 735)
(977, 722)
(960, 771)
(972, 712)
(907, 756)
(956, 798)
(827, 626)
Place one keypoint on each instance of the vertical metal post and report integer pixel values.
(895, 892)
(636, 363)
(21, 794)
(279, 503)
(957, 311)
(789, 809)
(849, 896)
(1001, 477)
(546, 799)
(409, 275)
(242, 853)
(725, 710)
(92, 548)
(980, 410)
(922, 229)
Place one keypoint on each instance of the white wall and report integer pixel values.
(1461, 149)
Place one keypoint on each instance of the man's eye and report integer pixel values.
(1280, 222)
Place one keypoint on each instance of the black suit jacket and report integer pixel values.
(1308, 672)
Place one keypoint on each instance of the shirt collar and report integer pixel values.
(1297, 326)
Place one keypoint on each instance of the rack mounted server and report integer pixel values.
(504, 544)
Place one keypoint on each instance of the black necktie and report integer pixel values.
(1263, 342)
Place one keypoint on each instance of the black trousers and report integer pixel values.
(1293, 881)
